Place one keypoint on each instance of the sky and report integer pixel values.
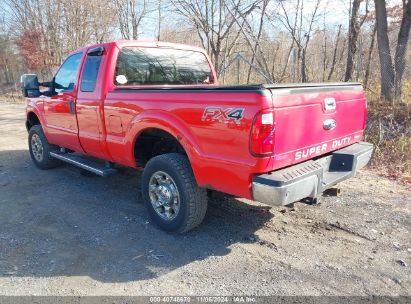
(335, 11)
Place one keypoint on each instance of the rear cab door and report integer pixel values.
(90, 101)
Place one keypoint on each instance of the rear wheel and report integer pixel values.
(40, 149)
(171, 194)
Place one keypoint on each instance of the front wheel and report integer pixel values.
(171, 194)
(40, 149)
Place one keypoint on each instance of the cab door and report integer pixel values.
(60, 108)
(90, 102)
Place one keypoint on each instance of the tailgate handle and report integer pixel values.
(329, 103)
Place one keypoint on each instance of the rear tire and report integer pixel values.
(171, 194)
(40, 149)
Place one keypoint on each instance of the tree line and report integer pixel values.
(286, 41)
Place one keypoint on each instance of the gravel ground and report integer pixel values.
(64, 232)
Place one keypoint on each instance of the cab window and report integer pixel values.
(90, 73)
(66, 76)
(161, 66)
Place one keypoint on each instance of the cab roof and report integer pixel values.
(143, 43)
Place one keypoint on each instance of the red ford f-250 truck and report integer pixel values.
(158, 106)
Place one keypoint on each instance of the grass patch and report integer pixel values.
(389, 129)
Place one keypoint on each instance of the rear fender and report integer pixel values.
(168, 123)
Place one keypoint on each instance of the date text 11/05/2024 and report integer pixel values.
(204, 299)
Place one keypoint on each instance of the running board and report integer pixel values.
(84, 163)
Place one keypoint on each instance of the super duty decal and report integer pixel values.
(224, 115)
(321, 149)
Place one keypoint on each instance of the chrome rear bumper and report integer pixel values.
(309, 179)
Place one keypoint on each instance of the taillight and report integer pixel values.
(262, 134)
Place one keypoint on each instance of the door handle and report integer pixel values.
(71, 105)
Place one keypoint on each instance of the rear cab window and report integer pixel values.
(161, 66)
(90, 73)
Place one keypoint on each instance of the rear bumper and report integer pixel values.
(309, 179)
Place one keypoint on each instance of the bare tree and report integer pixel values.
(252, 39)
(214, 20)
(47, 30)
(9, 62)
(371, 49)
(159, 20)
(130, 13)
(355, 25)
(391, 78)
(307, 36)
(401, 49)
(334, 59)
(40, 20)
(257, 40)
(292, 44)
(300, 32)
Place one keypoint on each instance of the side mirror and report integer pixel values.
(30, 85)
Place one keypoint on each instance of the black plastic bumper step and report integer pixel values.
(85, 163)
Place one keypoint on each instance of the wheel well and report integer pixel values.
(153, 142)
(32, 120)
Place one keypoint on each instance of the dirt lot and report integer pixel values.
(67, 233)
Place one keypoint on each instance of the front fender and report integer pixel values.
(38, 109)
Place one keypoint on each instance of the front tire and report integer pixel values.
(171, 194)
(40, 149)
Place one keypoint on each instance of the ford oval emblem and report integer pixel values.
(329, 124)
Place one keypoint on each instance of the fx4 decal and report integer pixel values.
(223, 115)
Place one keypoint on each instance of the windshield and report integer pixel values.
(146, 66)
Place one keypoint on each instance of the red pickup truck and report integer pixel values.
(158, 107)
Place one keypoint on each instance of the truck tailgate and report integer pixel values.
(314, 119)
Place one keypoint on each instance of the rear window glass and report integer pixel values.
(145, 66)
(88, 82)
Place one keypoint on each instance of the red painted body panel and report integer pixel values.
(61, 123)
(107, 123)
(90, 114)
(299, 119)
